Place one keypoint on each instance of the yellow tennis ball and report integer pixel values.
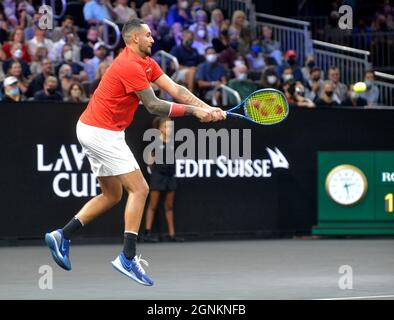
(359, 87)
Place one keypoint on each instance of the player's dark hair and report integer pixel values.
(129, 27)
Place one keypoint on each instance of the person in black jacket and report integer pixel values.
(50, 92)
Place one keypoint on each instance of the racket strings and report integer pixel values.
(266, 107)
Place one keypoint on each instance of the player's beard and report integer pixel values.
(147, 50)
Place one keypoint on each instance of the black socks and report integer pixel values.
(130, 240)
(71, 227)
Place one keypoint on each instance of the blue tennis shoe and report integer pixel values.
(132, 268)
(60, 248)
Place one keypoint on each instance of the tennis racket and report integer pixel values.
(265, 106)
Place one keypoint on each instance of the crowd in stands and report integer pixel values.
(373, 30)
(212, 48)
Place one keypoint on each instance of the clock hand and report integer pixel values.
(347, 190)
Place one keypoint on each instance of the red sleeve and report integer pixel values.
(156, 71)
(7, 49)
(133, 77)
(26, 55)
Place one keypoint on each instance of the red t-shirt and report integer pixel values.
(114, 102)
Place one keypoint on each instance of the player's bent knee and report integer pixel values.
(113, 198)
(141, 191)
(145, 190)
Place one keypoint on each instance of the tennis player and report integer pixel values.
(100, 131)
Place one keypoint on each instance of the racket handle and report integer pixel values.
(234, 115)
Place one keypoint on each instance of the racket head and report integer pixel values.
(266, 106)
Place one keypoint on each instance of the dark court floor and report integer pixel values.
(234, 270)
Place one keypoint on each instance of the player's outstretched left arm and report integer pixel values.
(165, 108)
(183, 95)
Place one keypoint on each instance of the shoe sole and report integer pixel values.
(51, 243)
(118, 267)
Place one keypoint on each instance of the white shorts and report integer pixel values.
(106, 150)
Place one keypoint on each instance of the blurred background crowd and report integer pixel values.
(212, 47)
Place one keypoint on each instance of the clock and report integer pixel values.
(346, 185)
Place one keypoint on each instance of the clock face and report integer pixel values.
(346, 184)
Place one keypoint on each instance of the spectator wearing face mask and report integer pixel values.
(181, 13)
(340, 89)
(314, 84)
(65, 78)
(326, 98)
(291, 62)
(256, 59)
(11, 89)
(16, 56)
(76, 93)
(287, 74)
(372, 92)
(210, 75)
(354, 99)
(299, 95)
(188, 59)
(269, 79)
(77, 69)
(200, 42)
(49, 93)
(71, 40)
(309, 65)
(241, 84)
(295, 94)
(17, 36)
(15, 70)
(201, 19)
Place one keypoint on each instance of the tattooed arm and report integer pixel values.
(178, 92)
(162, 108)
